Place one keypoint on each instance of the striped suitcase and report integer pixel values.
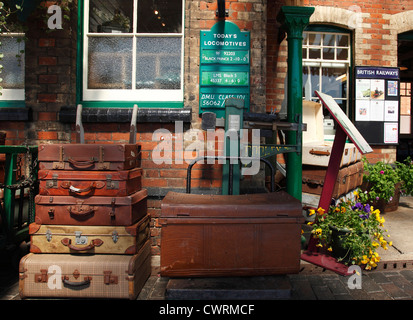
(84, 276)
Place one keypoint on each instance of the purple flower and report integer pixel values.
(364, 216)
(377, 198)
(381, 172)
(367, 208)
(357, 206)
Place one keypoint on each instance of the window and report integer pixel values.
(12, 72)
(405, 108)
(326, 63)
(133, 50)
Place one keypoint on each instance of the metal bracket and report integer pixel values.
(79, 239)
(41, 277)
(53, 182)
(115, 236)
(111, 185)
(48, 235)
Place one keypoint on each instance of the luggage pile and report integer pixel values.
(90, 238)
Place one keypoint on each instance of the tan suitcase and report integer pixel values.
(89, 239)
(84, 276)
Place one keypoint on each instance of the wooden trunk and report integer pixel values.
(77, 156)
(90, 183)
(89, 211)
(89, 239)
(348, 178)
(237, 235)
(84, 276)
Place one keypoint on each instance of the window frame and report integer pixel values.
(164, 98)
(14, 97)
(320, 63)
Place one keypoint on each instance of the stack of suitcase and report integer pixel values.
(91, 224)
(90, 238)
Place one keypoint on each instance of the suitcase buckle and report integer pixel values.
(79, 239)
(115, 236)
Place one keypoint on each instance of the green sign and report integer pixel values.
(225, 56)
(225, 78)
(224, 67)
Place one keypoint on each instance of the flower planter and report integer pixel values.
(337, 240)
(381, 204)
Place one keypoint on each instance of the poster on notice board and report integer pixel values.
(377, 99)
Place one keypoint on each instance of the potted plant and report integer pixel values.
(383, 183)
(119, 23)
(351, 231)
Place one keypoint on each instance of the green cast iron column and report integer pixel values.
(294, 20)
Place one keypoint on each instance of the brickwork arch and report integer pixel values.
(402, 22)
(334, 16)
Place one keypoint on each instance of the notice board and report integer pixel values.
(377, 104)
(224, 67)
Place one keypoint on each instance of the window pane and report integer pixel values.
(328, 40)
(314, 39)
(110, 63)
(328, 53)
(111, 16)
(158, 63)
(342, 54)
(159, 16)
(314, 53)
(13, 67)
(342, 40)
(311, 79)
(334, 82)
(304, 53)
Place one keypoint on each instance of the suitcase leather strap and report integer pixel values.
(94, 243)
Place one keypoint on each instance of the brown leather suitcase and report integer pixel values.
(236, 235)
(89, 211)
(89, 239)
(348, 178)
(90, 183)
(78, 156)
(84, 276)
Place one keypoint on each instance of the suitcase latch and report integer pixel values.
(60, 164)
(115, 236)
(48, 235)
(41, 277)
(111, 185)
(79, 239)
(53, 182)
(108, 278)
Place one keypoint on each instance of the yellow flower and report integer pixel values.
(330, 249)
(375, 244)
(343, 209)
(319, 245)
(320, 211)
(356, 193)
(390, 243)
(311, 212)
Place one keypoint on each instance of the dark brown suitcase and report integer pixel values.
(97, 210)
(78, 156)
(236, 235)
(90, 183)
(348, 178)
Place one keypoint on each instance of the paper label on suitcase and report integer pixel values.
(89, 239)
(84, 276)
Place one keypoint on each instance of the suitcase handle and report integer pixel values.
(81, 164)
(81, 210)
(94, 243)
(93, 185)
(85, 282)
(320, 152)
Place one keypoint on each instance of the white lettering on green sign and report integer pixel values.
(225, 78)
